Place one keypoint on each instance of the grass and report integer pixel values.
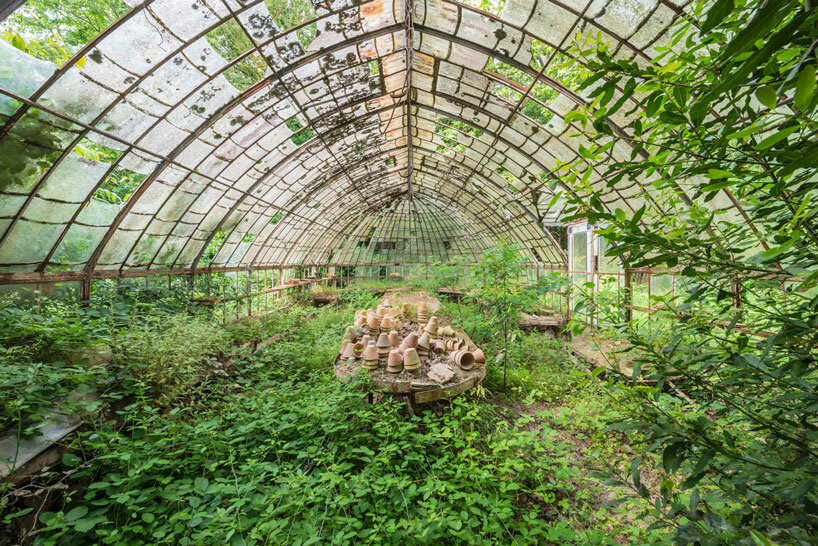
(277, 451)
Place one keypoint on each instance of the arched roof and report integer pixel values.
(332, 146)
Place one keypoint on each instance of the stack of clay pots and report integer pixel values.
(370, 357)
(360, 319)
(394, 362)
(438, 347)
(409, 342)
(372, 324)
(424, 345)
(375, 340)
(423, 314)
(383, 346)
(394, 339)
(411, 362)
(431, 326)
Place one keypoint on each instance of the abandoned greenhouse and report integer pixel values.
(408, 272)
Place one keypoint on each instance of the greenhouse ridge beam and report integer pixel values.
(409, 38)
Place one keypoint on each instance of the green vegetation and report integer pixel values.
(53, 30)
(269, 447)
(735, 116)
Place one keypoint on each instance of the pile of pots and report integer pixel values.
(374, 340)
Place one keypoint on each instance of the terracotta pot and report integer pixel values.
(479, 356)
(372, 323)
(438, 347)
(344, 346)
(411, 361)
(349, 353)
(447, 331)
(360, 320)
(394, 362)
(422, 307)
(366, 339)
(386, 323)
(453, 344)
(464, 359)
(411, 341)
(383, 345)
(431, 327)
(424, 343)
(370, 356)
(394, 338)
(405, 309)
(358, 348)
(380, 311)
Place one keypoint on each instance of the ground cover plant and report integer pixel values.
(281, 452)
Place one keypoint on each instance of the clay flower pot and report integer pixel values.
(359, 320)
(394, 338)
(424, 343)
(463, 359)
(366, 339)
(370, 357)
(438, 347)
(349, 353)
(431, 327)
(383, 345)
(372, 324)
(394, 362)
(411, 361)
(411, 341)
(447, 331)
(453, 344)
(344, 346)
(380, 311)
(358, 348)
(386, 323)
(479, 356)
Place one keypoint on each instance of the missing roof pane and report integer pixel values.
(302, 134)
(53, 31)
(292, 13)
(495, 7)
(118, 186)
(229, 40)
(247, 72)
(509, 72)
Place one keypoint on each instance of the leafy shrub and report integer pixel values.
(307, 460)
(165, 356)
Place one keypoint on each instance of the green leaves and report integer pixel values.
(805, 87)
(201, 484)
(76, 513)
(672, 456)
(717, 13)
(767, 96)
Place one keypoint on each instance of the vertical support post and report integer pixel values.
(249, 291)
(86, 288)
(738, 300)
(628, 293)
